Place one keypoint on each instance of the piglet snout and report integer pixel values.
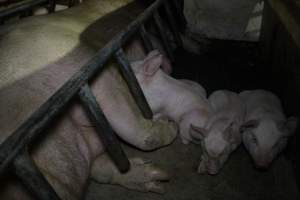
(261, 166)
(262, 163)
(208, 167)
(212, 171)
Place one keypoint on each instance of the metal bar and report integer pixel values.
(133, 84)
(162, 33)
(26, 13)
(104, 130)
(51, 6)
(22, 7)
(181, 16)
(32, 178)
(34, 125)
(146, 40)
(173, 25)
(71, 3)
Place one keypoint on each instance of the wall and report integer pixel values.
(280, 42)
(224, 19)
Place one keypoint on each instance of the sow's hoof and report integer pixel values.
(143, 176)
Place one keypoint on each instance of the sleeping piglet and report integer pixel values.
(182, 101)
(266, 129)
(221, 136)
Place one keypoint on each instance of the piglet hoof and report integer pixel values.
(143, 176)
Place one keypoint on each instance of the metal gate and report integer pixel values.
(13, 151)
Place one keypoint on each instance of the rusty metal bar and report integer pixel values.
(162, 33)
(133, 84)
(104, 130)
(22, 7)
(173, 25)
(146, 40)
(32, 178)
(35, 124)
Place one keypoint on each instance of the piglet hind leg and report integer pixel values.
(143, 175)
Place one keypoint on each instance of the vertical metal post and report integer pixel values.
(32, 178)
(179, 11)
(103, 129)
(51, 6)
(146, 39)
(133, 84)
(162, 33)
(173, 24)
(71, 3)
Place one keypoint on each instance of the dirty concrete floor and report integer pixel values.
(225, 65)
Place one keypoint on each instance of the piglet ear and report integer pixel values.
(290, 125)
(198, 133)
(152, 63)
(249, 125)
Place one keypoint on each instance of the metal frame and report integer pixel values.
(18, 9)
(25, 9)
(13, 151)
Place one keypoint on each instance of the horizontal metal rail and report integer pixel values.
(23, 7)
(12, 149)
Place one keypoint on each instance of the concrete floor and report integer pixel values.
(225, 65)
(237, 180)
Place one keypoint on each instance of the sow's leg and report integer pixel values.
(142, 176)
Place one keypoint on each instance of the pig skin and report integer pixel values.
(266, 129)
